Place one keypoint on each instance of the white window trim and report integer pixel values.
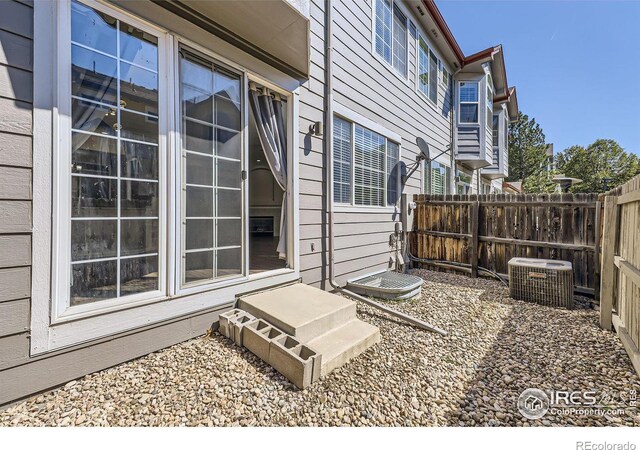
(61, 310)
(355, 118)
(178, 164)
(419, 36)
(47, 336)
(389, 65)
(479, 102)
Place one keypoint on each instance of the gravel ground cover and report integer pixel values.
(496, 348)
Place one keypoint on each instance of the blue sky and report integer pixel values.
(576, 64)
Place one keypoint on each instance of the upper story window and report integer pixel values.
(391, 35)
(496, 126)
(427, 71)
(469, 107)
(489, 99)
(437, 178)
(365, 166)
(506, 133)
(445, 77)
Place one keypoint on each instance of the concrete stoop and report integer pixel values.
(302, 332)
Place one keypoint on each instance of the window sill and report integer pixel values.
(426, 99)
(404, 79)
(365, 209)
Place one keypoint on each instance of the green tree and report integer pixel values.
(604, 160)
(540, 183)
(527, 149)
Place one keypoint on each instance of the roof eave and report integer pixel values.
(446, 31)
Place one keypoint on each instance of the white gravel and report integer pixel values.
(496, 348)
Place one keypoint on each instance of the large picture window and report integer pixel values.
(365, 166)
(115, 197)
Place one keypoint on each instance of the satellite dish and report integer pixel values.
(424, 148)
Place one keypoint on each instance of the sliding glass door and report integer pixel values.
(212, 118)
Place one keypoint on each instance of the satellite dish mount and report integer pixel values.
(424, 155)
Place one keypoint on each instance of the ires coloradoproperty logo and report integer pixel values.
(535, 403)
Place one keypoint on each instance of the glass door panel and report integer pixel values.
(212, 187)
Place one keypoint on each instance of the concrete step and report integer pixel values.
(299, 310)
(341, 344)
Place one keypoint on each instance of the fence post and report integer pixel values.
(475, 225)
(609, 270)
(596, 254)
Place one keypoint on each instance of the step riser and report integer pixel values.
(349, 354)
(310, 330)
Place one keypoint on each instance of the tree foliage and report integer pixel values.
(601, 166)
(540, 183)
(527, 150)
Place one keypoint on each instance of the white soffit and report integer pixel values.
(276, 27)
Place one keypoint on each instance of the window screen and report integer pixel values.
(365, 166)
(423, 67)
(393, 156)
(399, 41)
(211, 101)
(433, 77)
(342, 145)
(369, 168)
(383, 29)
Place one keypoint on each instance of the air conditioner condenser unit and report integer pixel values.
(543, 281)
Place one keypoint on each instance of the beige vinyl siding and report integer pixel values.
(364, 84)
(16, 96)
(313, 265)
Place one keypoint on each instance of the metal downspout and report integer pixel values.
(328, 139)
(328, 132)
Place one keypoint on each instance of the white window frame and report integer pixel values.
(421, 37)
(478, 102)
(180, 215)
(61, 310)
(51, 31)
(357, 119)
(389, 64)
(489, 93)
(445, 77)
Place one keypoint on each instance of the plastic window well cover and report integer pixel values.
(387, 281)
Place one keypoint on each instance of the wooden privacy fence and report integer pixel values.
(489, 230)
(620, 288)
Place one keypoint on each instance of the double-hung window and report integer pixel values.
(365, 166)
(496, 139)
(391, 35)
(489, 100)
(469, 107)
(427, 70)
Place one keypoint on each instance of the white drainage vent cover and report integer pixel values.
(388, 285)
